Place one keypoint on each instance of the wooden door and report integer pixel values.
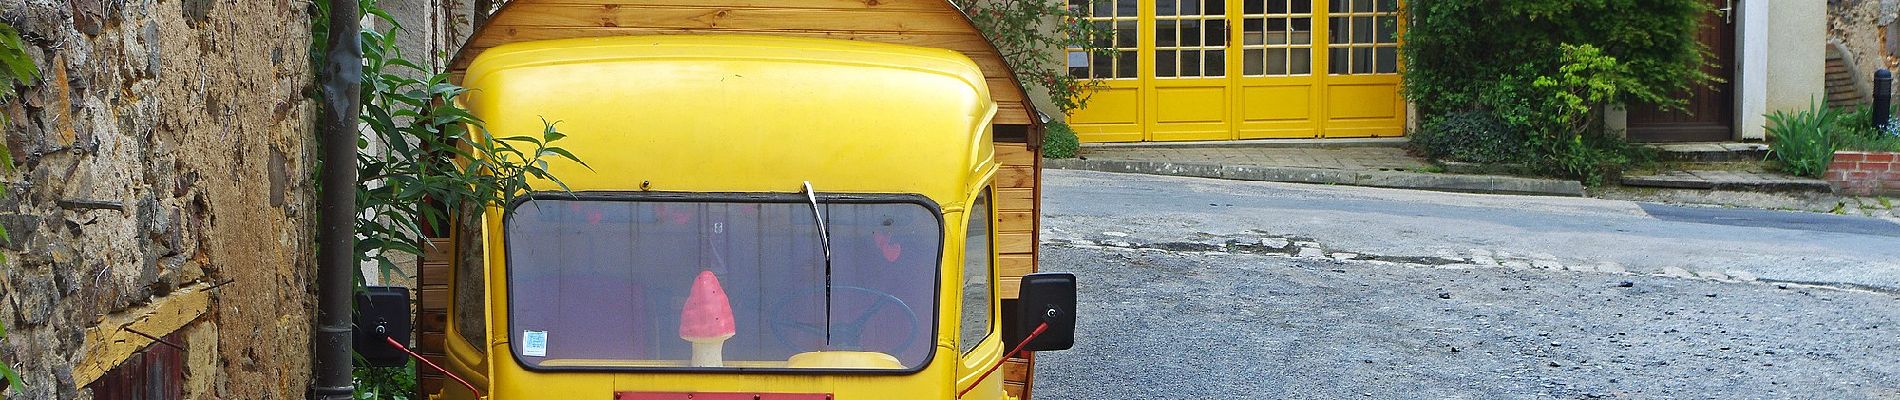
(1710, 115)
(1115, 111)
(1190, 82)
(1276, 95)
(1362, 80)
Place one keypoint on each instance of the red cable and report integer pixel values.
(1012, 353)
(471, 388)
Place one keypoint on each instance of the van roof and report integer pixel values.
(738, 113)
(924, 23)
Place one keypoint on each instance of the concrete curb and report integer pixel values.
(1384, 179)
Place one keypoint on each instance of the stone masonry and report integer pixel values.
(164, 188)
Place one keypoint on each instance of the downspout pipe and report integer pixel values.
(342, 79)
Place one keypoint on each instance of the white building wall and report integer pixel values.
(1783, 59)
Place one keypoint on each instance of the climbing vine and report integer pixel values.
(16, 70)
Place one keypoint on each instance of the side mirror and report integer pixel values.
(1047, 297)
(382, 312)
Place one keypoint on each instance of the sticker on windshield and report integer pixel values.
(534, 343)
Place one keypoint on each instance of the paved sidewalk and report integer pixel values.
(1375, 166)
(1349, 158)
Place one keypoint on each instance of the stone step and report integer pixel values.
(1728, 180)
(1712, 152)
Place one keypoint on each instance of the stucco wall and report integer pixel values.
(1796, 39)
(163, 185)
(1783, 58)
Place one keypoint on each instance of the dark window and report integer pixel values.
(157, 373)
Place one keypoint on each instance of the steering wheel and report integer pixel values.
(847, 331)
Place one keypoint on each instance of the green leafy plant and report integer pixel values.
(1031, 34)
(420, 153)
(1558, 113)
(1059, 141)
(1854, 130)
(16, 70)
(1548, 68)
(396, 383)
(1471, 136)
(1458, 51)
(1803, 141)
(408, 155)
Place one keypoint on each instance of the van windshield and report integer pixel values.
(671, 284)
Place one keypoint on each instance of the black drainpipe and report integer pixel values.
(342, 78)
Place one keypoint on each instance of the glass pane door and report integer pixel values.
(1277, 37)
(1190, 38)
(1364, 37)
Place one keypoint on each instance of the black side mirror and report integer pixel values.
(382, 312)
(1047, 297)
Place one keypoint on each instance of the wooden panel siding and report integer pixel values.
(1018, 207)
(432, 287)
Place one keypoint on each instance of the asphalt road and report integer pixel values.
(1196, 289)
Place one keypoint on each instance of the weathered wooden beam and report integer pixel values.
(121, 335)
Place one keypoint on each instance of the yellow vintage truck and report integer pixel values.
(798, 199)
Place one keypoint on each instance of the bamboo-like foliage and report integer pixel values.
(419, 154)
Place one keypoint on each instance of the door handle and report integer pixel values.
(1728, 12)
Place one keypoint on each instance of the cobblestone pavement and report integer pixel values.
(1347, 158)
(1207, 289)
(1156, 323)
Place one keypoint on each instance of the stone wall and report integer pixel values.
(164, 189)
(1858, 26)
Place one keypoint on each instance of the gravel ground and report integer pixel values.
(1162, 324)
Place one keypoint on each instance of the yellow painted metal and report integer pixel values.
(731, 113)
(1316, 103)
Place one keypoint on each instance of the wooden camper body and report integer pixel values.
(922, 23)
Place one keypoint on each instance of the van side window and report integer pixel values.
(975, 321)
(469, 278)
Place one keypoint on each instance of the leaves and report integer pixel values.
(422, 153)
(1458, 53)
(1803, 140)
(1025, 30)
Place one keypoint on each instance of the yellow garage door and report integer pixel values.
(1241, 69)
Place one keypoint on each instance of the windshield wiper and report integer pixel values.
(824, 237)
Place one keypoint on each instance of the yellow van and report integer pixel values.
(760, 216)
